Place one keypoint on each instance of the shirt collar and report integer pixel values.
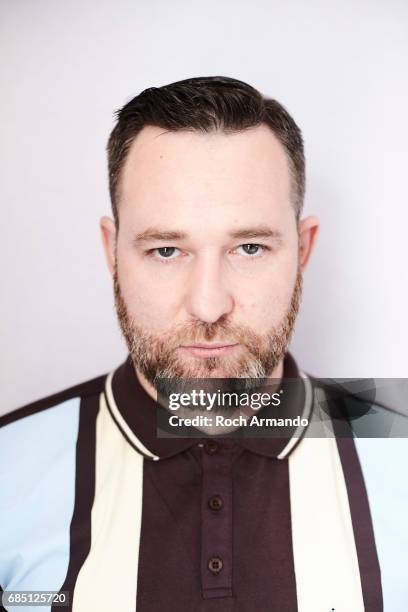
(134, 412)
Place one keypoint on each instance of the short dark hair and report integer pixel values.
(205, 104)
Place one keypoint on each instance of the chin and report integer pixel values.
(212, 368)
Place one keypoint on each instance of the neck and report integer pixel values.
(148, 387)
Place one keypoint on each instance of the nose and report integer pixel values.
(208, 297)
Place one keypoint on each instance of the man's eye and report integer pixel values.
(164, 252)
(252, 249)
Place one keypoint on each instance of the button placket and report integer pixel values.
(216, 534)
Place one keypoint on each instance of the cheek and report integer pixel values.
(268, 300)
(147, 303)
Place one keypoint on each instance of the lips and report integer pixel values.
(209, 350)
(209, 346)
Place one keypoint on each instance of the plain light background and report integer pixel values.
(340, 69)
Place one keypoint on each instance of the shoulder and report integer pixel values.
(33, 436)
(370, 411)
(38, 445)
(378, 426)
(85, 389)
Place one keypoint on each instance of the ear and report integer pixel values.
(108, 230)
(308, 231)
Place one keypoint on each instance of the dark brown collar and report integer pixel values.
(134, 412)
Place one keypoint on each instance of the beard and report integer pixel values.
(156, 357)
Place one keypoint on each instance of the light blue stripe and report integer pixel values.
(384, 462)
(37, 480)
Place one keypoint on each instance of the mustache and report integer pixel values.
(198, 332)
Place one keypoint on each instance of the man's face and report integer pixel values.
(207, 252)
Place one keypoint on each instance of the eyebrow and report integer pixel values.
(260, 231)
(156, 234)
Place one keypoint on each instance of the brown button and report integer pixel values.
(211, 447)
(215, 502)
(215, 565)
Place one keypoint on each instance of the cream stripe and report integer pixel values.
(108, 579)
(307, 411)
(122, 423)
(325, 556)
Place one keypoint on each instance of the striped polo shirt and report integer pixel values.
(93, 502)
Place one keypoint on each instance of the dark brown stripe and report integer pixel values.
(124, 434)
(80, 530)
(370, 573)
(1, 595)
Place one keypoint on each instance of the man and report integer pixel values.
(207, 250)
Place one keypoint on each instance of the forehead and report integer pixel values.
(188, 169)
